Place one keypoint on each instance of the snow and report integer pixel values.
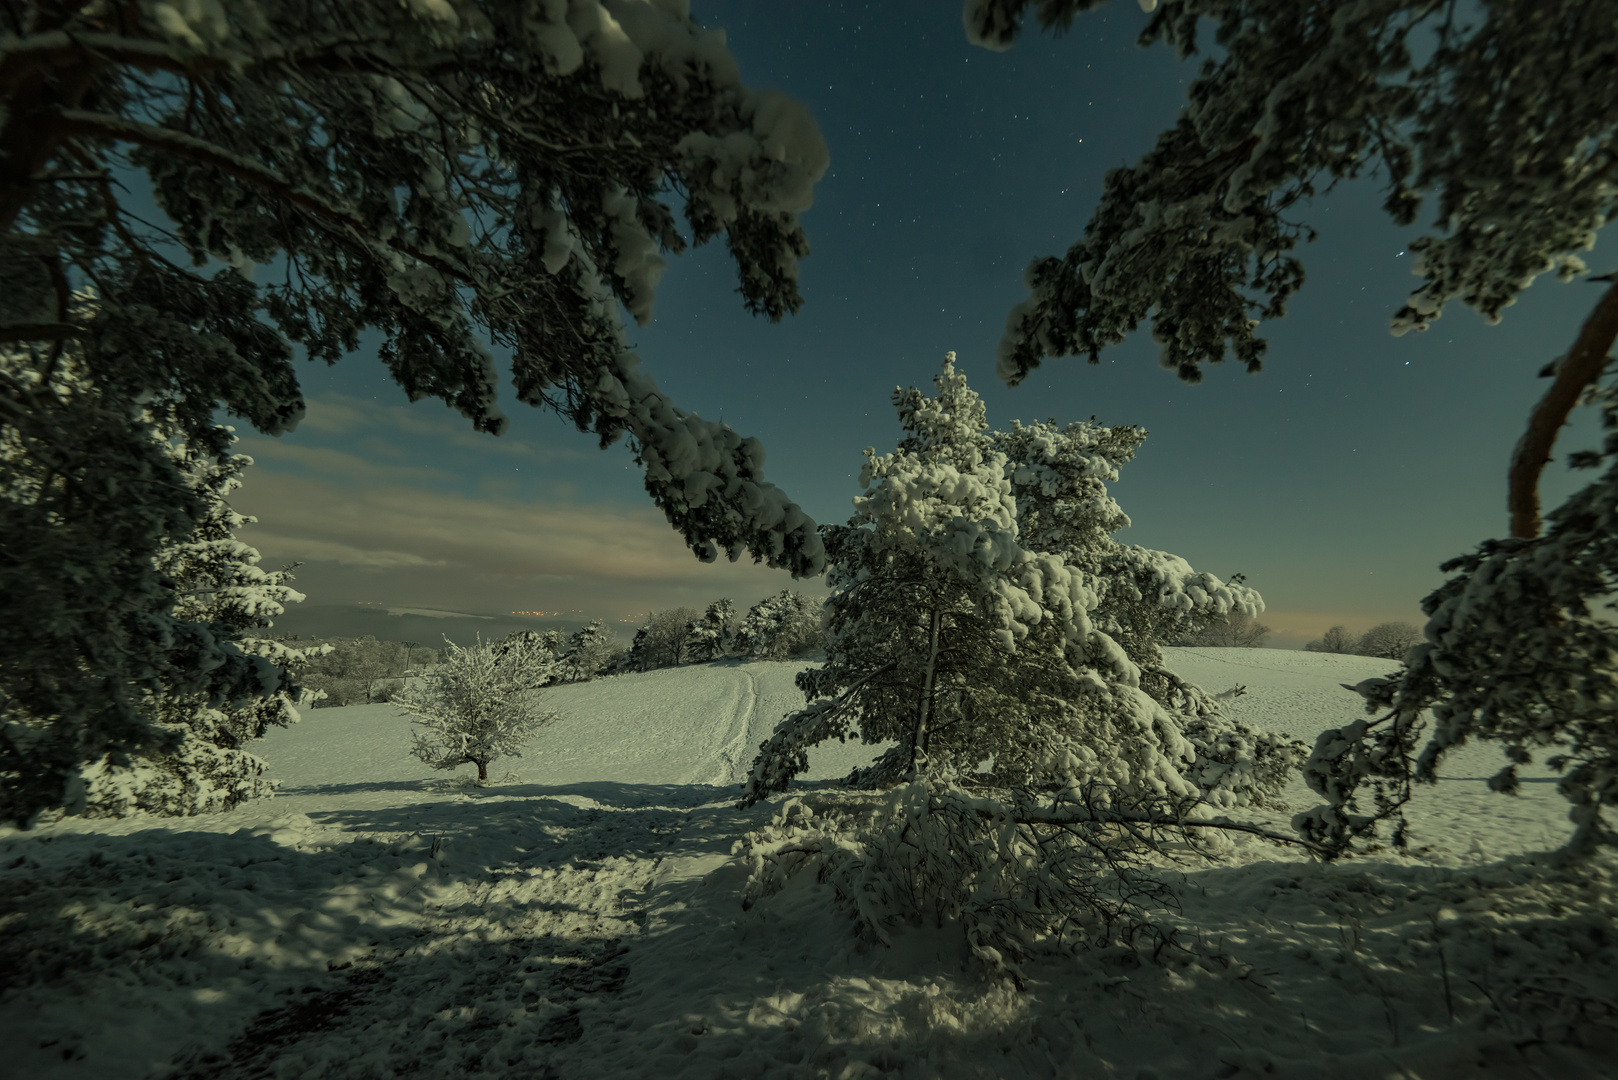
(583, 919)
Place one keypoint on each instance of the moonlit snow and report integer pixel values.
(582, 918)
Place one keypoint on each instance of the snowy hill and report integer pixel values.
(583, 920)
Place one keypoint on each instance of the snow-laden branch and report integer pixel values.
(80, 122)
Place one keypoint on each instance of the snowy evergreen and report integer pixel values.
(508, 174)
(709, 638)
(586, 653)
(476, 706)
(780, 626)
(969, 650)
(221, 586)
(532, 650)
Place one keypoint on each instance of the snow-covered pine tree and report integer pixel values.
(221, 586)
(476, 707)
(709, 637)
(779, 627)
(586, 653)
(1144, 598)
(505, 175)
(949, 638)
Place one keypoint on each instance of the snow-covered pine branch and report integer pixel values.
(476, 706)
(1501, 116)
(1519, 648)
(449, 175)
(1037, 873)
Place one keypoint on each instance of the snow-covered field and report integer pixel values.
(582, 919)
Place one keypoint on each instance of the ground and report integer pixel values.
(582, 918)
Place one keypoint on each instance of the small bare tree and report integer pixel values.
(476, 707)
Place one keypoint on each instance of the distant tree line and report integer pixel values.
(359, 670)
(779, 627)
(1390, 640)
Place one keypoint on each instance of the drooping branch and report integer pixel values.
(1581, 367)
(104, 126)
(1090, 815)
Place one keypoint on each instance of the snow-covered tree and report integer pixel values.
(541, 652)
(221, 586)
(1032, 775)
(779, 627)
(709, 637)
(661, 642)
(949, 637)
(586, 653)
(448, 175)
(476, 706)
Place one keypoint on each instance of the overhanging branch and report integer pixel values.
(1581, 367)
(79, 122)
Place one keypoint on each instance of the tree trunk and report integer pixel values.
(918, 743)
(1578, 369)
(483, 771)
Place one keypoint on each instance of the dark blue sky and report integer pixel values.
(1336, 480)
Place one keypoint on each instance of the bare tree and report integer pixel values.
(1335, 640)
(661, 642)
(1238, 630)
(1390, 639)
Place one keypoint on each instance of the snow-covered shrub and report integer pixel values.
(476, 707)
(1061, 871)
(780, 627)
(709, 637)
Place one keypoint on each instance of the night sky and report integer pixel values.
(1336, 480)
